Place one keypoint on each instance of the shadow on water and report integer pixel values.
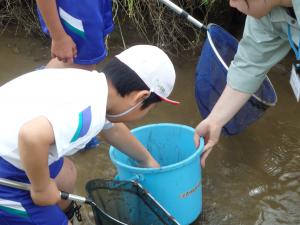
(251, 178)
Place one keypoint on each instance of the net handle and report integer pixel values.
(26, 187)
(183, 13)
(63, 196)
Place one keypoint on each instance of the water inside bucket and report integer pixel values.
(167, 146)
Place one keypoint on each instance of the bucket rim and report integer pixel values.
(162, 169)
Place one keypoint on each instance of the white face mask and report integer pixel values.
(125, 112)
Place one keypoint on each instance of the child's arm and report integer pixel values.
(120, 137)
(35, 138)
(63, 47)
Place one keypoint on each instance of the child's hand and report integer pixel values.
(49, 196)
(150, 163)
(64, 49)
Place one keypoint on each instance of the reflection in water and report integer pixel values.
(280, 202)
(251, 178)
(273, 159)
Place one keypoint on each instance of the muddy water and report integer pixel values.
(250, 179)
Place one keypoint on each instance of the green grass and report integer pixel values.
(154, 22)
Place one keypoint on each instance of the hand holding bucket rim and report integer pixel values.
(211, 137)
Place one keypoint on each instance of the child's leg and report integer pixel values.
(66, 180)
(16, 206)
(33, 215)
(88, 27)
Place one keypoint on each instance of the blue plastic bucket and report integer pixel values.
(177, 184)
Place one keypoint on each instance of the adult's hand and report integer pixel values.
(211, 132)
(226, 107)
(64, 49)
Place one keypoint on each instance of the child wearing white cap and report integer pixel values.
(52, 113)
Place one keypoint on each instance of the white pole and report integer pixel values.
(183, 13)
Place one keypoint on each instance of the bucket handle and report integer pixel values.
(201, 145)
(136, 178)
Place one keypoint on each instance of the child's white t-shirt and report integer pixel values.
(73, 100)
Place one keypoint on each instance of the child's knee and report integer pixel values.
(67, 176)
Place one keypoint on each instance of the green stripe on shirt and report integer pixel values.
(79, 127)
(17, 212)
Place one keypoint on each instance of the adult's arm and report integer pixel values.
(227, 106)
(261, 47)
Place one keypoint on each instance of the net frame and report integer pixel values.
(217, 53)
(227, 67)
(131, 187)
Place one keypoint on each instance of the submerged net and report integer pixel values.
(127, 202)
(211, 73)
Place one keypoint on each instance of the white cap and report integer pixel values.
(153, 66)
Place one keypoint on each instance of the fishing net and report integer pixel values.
(126, 202)
(217, 53)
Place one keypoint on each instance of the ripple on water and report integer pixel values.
(264, 189)
(280, 209)
(274, 160)
(279, 202)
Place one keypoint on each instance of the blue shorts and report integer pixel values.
(87, 22)
(16, 206)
